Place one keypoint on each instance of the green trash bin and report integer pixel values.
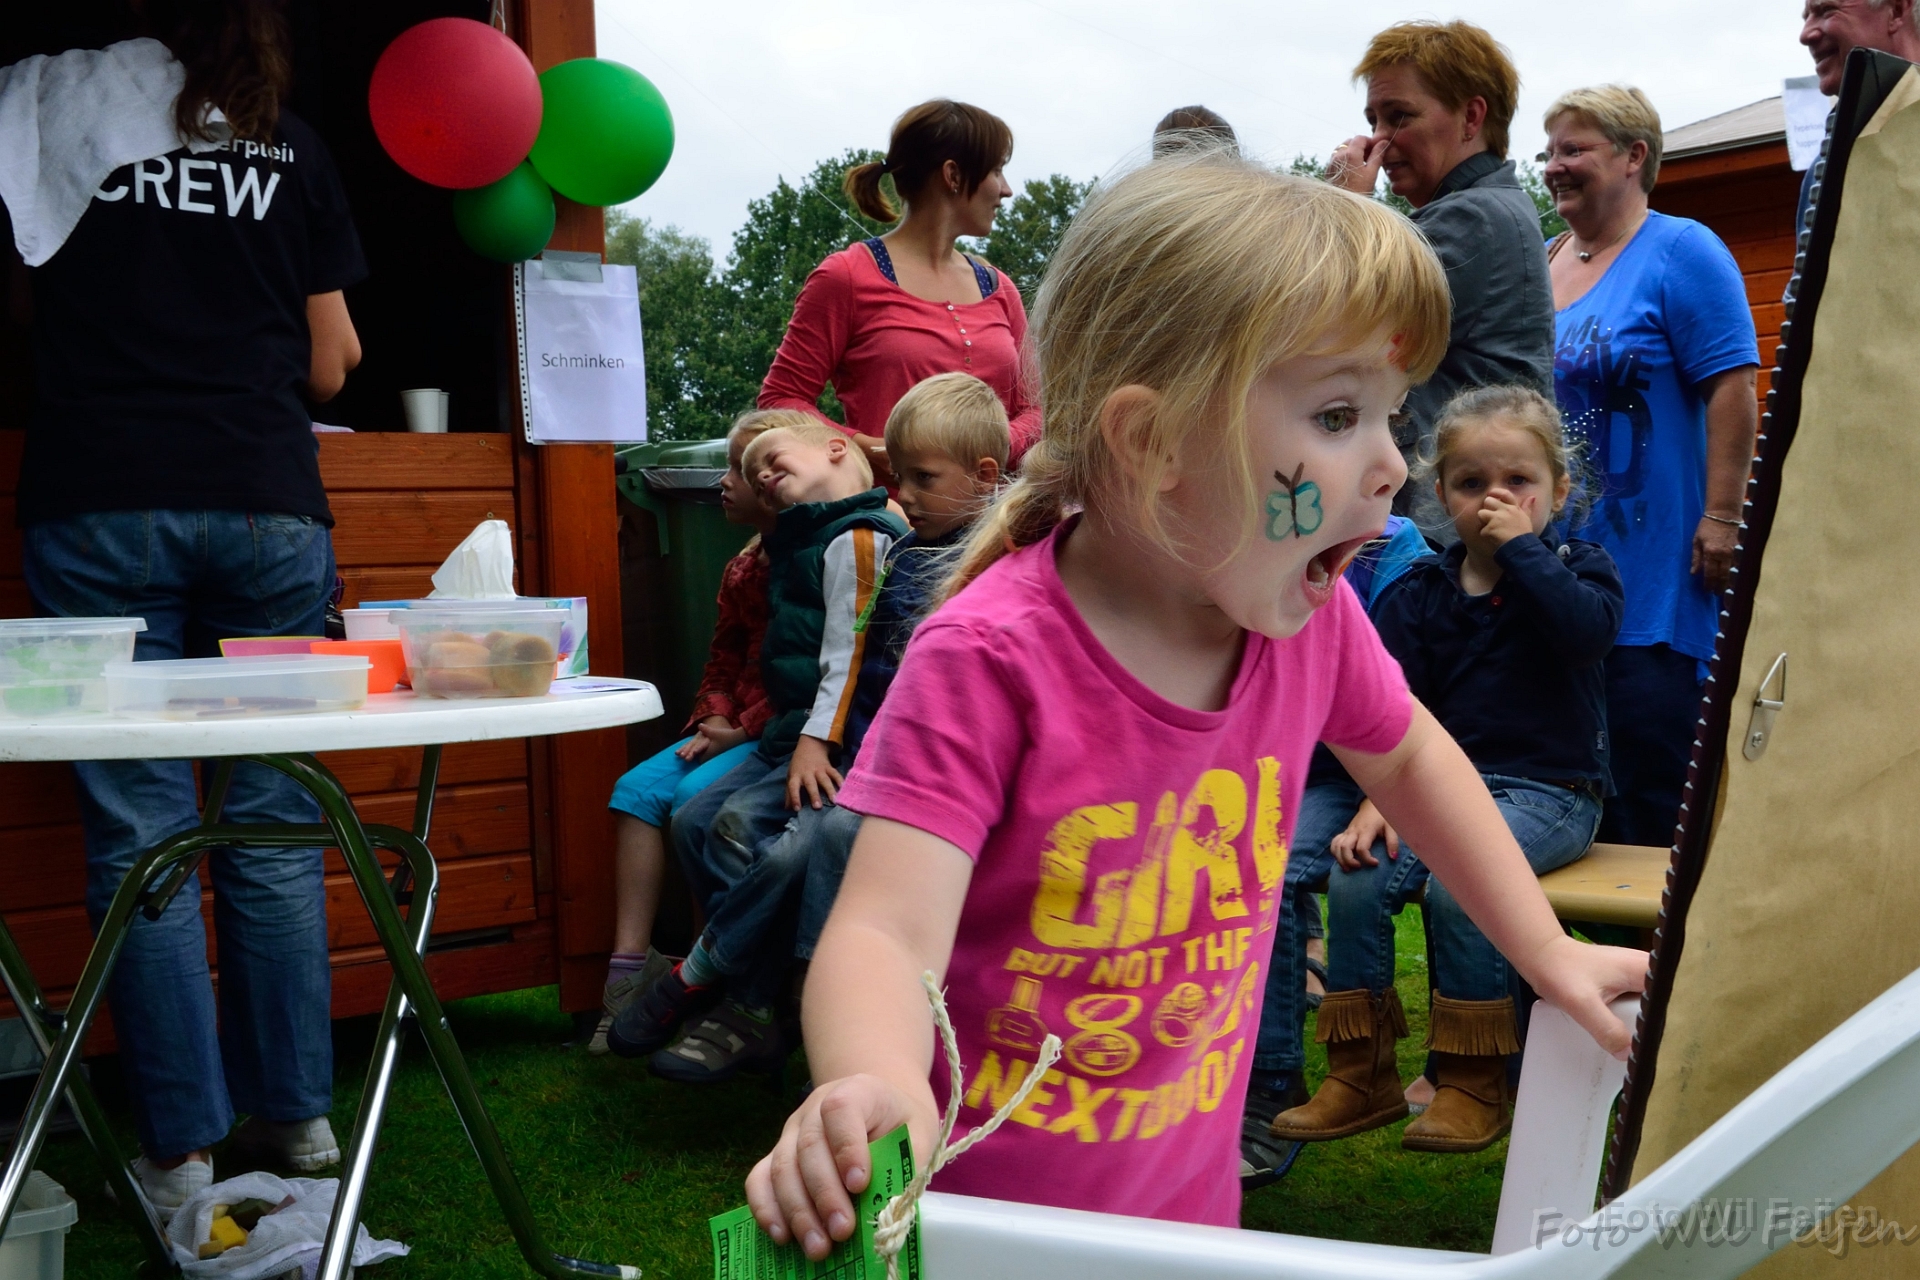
(672, 600)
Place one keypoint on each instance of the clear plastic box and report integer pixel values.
(220, 688)
(57, 666)
(35, 1247)
(480, 651)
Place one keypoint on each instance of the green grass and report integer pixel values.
(624, 1168)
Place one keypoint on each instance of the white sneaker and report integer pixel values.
(303, 1146)
(168, 1189)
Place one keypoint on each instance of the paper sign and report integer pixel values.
(742, 1251)
(1807, 110)
(583, 373)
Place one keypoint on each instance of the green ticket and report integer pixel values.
(742, 1251)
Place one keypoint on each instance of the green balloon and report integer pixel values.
(509, 220)
(605, 131)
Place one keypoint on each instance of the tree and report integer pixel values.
(1028, 230)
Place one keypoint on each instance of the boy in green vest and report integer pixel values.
(828, 543)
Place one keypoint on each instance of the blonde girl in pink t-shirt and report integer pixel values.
(1079, 791)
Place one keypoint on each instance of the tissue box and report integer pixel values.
(573, 636)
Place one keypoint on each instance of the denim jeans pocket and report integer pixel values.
(89, 565)
(292, 569)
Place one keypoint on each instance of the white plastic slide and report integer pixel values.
(1802, 1144)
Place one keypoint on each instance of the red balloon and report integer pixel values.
(455, 103)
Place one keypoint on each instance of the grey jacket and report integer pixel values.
(1486, 231)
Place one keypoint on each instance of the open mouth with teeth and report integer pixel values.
(1326, 567)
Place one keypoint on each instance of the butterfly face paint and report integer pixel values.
(1293, 510)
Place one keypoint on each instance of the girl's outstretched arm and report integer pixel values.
(869, 1032)
(1433, 796)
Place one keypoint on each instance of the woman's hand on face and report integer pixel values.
(1502, 518)
(1713, 545)
(799, 1190)
(1355, 165)
(1353, 848)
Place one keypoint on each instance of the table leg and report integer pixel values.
(39, 1019)
(410, 976)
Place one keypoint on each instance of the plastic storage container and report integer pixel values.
(480, 651)
(215, 688)
(57, 666)
(35, 1247)
(369, 624)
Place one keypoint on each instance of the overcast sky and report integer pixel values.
(764, 88)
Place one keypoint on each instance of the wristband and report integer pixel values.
(1708, 515)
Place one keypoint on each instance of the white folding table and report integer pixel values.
(288, 744)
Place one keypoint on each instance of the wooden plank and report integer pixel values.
(386, 461)
(1690, 169)
(15, 602)
(411, 582)
(360, 977)
(479, 893)
(1775, 254)
(468, 821)
(398, 768)
(1767, 286)
(401, 528)
(46, 867)
(34, 795)
(1613, 884)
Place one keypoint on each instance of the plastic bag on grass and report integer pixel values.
(283, 1240)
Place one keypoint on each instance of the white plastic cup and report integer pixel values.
(426, 409)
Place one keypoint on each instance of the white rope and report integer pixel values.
(895, 1222)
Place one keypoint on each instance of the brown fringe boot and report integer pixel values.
(1471, 1108)
(1362, 1088)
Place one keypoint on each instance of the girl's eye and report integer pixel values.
(1338, 419)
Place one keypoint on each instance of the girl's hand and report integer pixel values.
(720, 736)
(1353, 848)
(811, 770)
(799, 1190)
(1503, 519)
(700, 746)
(1581, 979)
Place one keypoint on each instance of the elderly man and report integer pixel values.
(1831, 29)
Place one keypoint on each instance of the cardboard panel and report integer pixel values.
(1796, 908)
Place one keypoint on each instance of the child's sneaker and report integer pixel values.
(304, 1146)
(719, 1046)
(168, 1189)
(622, 990)
(651, 1018)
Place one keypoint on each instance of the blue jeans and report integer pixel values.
(1553, 825)
(196, 576)
(747, 879)
(826, 837)
(663, 782)
(1325, 811)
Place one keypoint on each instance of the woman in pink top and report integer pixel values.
(1079, 793)
(879, 316)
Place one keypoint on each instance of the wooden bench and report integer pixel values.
(1615, 884)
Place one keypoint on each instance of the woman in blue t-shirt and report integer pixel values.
(1654, 369)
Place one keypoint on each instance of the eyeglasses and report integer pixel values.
(1568, 151)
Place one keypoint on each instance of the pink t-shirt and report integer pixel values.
(1128, 856)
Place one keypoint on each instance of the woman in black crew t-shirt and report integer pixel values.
(171, 473)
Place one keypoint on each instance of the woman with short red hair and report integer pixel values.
(881, 315)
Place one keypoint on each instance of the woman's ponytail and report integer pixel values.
(235, 56)
(862, 185)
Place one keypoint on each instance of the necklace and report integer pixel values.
(1586, 255)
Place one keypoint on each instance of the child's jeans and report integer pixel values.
(1554, 826)
(747, 880)
(1325, 811)
(264, 1045)
(659, 785)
